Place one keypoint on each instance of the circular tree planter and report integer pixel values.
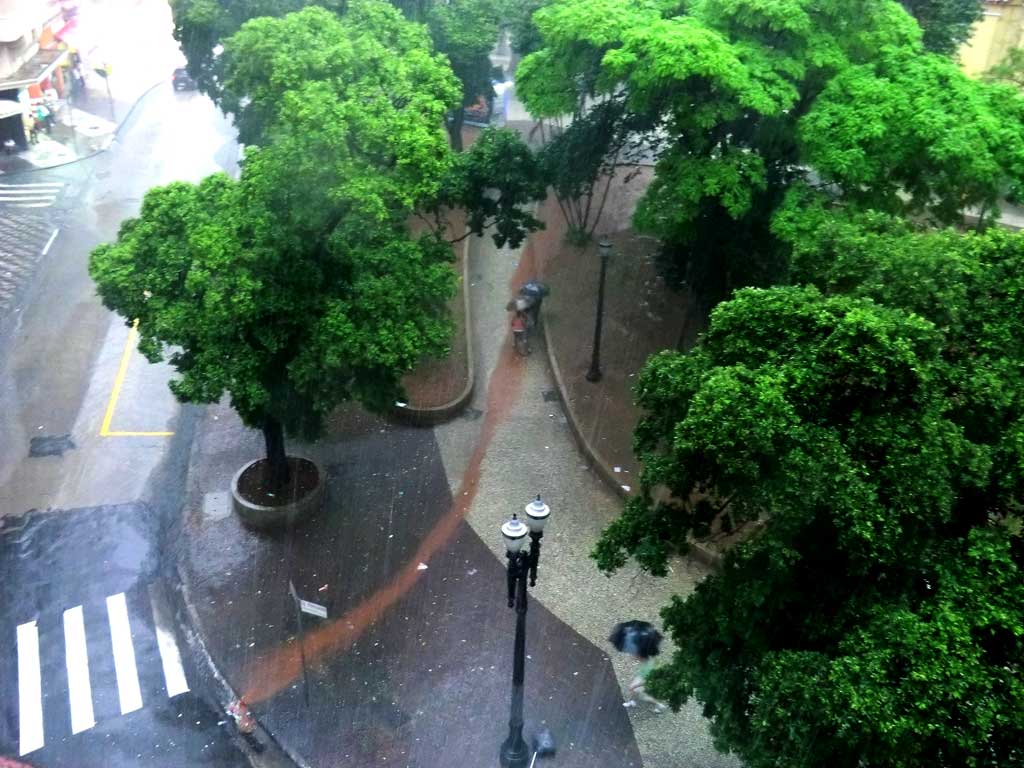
(296, 501)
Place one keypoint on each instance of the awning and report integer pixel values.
(35, 69)
(10, 108)
(71, 35)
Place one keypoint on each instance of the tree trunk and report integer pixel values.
(455, 129)
(273, 436)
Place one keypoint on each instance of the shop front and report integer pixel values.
(32, 82)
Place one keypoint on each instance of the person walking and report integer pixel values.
(520, 340)
(643, 642)
(44, 117)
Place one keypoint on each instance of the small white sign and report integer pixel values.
(314, 609)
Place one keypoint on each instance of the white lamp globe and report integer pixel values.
(537, 514)
(514, 533)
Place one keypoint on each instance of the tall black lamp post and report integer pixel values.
(522, 563)
(604, 248)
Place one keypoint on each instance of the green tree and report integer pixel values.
(1009, 70)
(577, 158)
(377, 70)
(519, 18)
(868, 432)
(463, 30)
(370, 54)
(946, 24)
(494, 182)
(201, 25)
(298, 287)
(466, 31)
(743, 99)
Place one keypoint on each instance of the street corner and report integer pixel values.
(389, 673)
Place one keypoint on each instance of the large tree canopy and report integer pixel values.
(201, 25)
(744, 98)
(462, 30)
(369, 56)
(872, 424)
(298, 286)
(380, 95)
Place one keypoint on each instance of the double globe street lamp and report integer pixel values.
(522, 563)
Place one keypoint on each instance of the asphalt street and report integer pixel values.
(92, 671)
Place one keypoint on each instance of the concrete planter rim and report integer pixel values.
(262, 516)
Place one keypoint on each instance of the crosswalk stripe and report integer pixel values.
(174, 673)
(77, 661)
(41, 195)
(124, 654)
(30, 690)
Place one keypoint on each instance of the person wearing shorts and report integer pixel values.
(637, 688)
(519, 340)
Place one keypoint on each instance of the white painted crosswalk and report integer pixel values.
(77, 661)
(37, 195)
(30, 689)
(170, 658)
(124, 634)
(124, 654)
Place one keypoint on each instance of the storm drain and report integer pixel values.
(50, 445)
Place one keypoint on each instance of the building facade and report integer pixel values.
(1001, 28)
(31, 59)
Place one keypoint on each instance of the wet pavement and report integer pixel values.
(23, 238)
(413, 664)
(68, 575)
(84, 499)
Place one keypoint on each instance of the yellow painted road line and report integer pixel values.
(122, 371)
(136, 434)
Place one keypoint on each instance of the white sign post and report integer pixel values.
(313, 609)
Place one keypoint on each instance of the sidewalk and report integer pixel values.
(412, 667)
(82, 135)
(641, 317)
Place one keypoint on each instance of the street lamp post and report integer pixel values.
(522, 564)
(604, 248)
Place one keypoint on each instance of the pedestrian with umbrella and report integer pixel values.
(531, 295)
(643, 642)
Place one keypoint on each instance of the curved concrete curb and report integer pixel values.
(431, 416)
(699, 552)
(117, 131)
(213, 687)
(274, 754)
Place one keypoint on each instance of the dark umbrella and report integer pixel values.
(638, 638)
(534, 289)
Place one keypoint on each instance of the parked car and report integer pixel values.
(183, 80)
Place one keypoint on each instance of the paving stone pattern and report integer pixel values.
(23, 235)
